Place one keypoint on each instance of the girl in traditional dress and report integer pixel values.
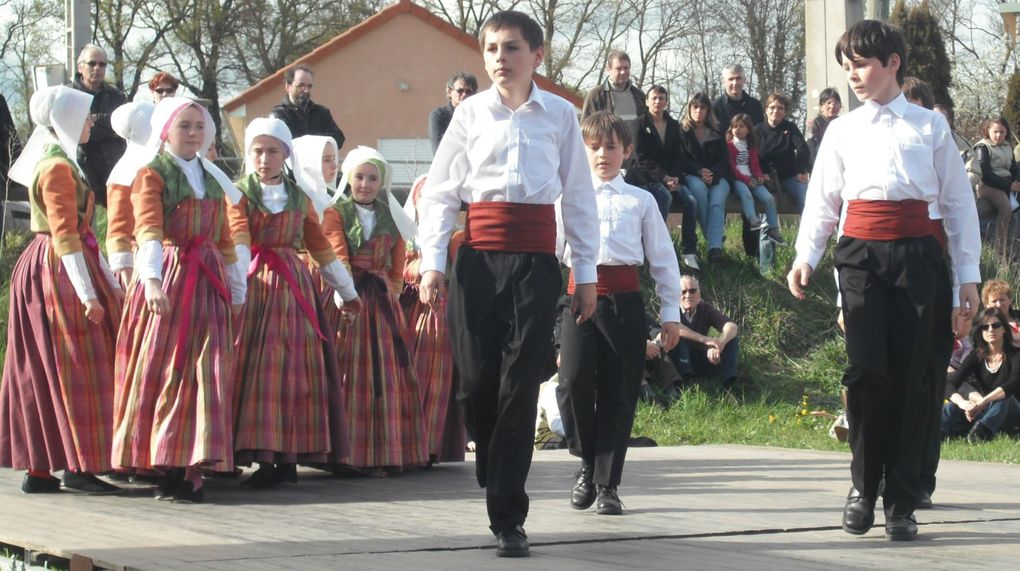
(286, 365)
(318, 157)
(56, 399)
(131, 122)
(430, 350)
(174, 350)
(379, 383)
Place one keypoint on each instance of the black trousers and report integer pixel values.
(896, 306)
(501, 308)
(601, 364)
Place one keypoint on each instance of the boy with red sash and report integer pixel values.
(510, 152)
(602, 360)
(889, 160)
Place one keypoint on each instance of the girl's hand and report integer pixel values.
(125, 276)
(94, 311)
(155, 299)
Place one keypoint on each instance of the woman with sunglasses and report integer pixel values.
(993, 368)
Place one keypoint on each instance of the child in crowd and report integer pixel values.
(131, 122)
(602, 359)
(894, 279)
(430, 350)
(56, 398)
(378, 378)
(510, 153)
(175, 345)
(285, 370)
(748, 178)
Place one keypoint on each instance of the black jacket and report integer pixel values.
(439, 120)
(782, 148)
(104, 149)
(711, 154)
(725, 108)
(308, 119)
(656, 157)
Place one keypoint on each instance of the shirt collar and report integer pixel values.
(897, 107)
(496, 100)
(617, 184)
(185, 164)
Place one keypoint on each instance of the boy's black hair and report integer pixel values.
(916, 89)
(871, 38)
(827, 94)
(512, 19)
(600, 125)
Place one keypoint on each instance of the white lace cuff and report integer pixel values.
(338, 278)
(121, 261)
(105, 267)
(78, 273)
(237, 276)
(149, 260)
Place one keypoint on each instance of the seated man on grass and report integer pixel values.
(699, 353)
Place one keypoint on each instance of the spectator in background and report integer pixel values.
(997, 294)
(618, 94)
(10, 148)
(104, 148)
(704, 161)
(459, 87)
(300, 113)
(783, 149)
(999, 175)
(735, 99)
(829, 106)
(966, 149)
(163, 85)
(917, 92)
(699, 353)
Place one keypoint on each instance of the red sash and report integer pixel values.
(269, 257)
(193, 266)
(511, 227)
(612, 280)
(885, 220)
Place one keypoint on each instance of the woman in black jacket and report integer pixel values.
(704, 160)
(782, 148)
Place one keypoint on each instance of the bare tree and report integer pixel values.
(27, 37)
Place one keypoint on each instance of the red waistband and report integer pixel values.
(511, 227)
(612, 280)
(887, 219)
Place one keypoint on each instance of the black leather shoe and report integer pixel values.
(39, 484)
(608, 503)
(900, 528)
(87, 484)
(925, 503)
(187, 494)
(582, 496)
(859, 513)
(512, 542)
(979, 433)
(264, 478)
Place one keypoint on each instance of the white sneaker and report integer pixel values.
(690, 260)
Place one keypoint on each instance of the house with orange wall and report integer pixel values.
(381, 79)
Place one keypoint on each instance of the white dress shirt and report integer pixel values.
(631, 230)
(533, 155)
(897, 152)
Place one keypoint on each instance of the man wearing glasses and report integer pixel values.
(460, 86)
(104, 148)
(698, 352)
(300, 113)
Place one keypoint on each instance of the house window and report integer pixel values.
(408, 157)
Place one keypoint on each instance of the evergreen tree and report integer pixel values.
(926, 49)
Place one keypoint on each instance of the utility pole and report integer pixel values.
(76, 18)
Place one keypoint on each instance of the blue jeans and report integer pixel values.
(711, 207)
(692, 359)
(663, 198)
(689, 225)
(1003, 413)
(764, 197)
(796, 189)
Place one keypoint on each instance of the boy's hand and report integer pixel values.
(583, 305)
(669, 336)
(969, 300)
(800, 276)
(430, 290)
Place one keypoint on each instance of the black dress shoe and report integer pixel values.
(979, 433)
(900, 528)
(925, 503)
(287, 473)
(608, 503)
(512, 542)
(582, 496)
(187, 494)
(85, 483)
(40, 484)
(859, 513)
(167, 484)
(263, 478)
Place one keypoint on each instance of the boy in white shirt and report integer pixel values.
(888, 160)
(602, 359)
(510, 152)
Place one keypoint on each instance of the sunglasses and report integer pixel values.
(96, 63)
(691, 291)
(463, 91)
(992, 326)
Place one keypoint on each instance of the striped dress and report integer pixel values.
(380, 387)
(56, 399)
(173, 372)
(288, 404)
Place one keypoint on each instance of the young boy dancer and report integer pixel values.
(602, 359)
(893, 276)
(509, 153)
